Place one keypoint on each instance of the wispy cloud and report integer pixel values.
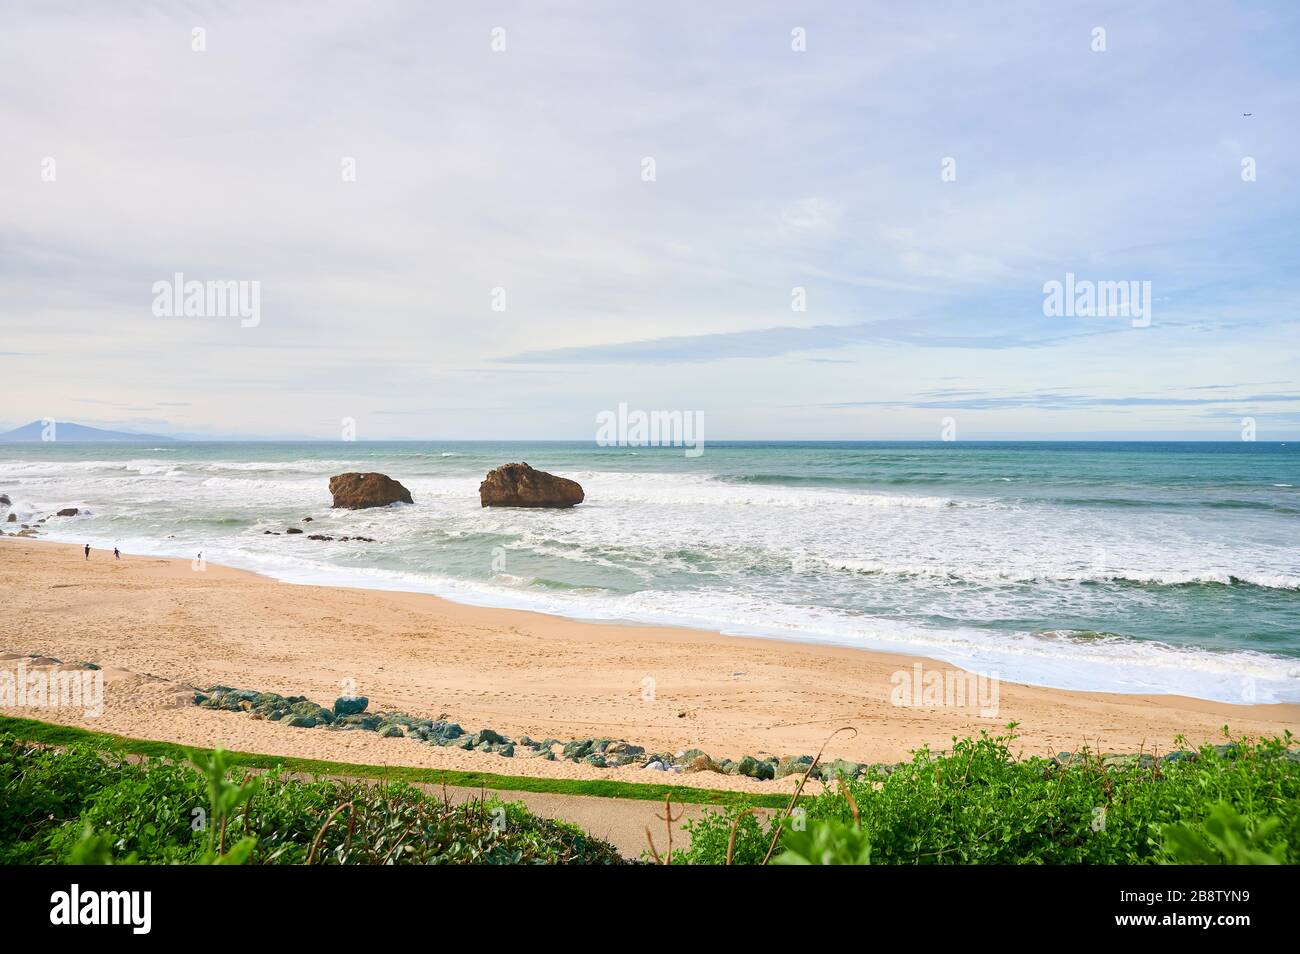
(1053, 400)
(774, 342)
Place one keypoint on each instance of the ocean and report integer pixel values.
(1127, 567)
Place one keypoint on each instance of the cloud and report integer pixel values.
(521, 170)
(1052, 400)
(774, 342)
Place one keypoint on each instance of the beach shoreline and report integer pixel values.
(157, 626)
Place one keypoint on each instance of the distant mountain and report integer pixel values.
(65, 432)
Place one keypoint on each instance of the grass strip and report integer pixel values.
(33, 730)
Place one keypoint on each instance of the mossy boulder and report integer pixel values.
(577, 750)
(751, 767)
(792, 765)
(350, 705)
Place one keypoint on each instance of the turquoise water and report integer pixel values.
(1153, 567)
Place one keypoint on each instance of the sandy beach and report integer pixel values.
(158, 627)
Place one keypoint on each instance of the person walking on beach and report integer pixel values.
(116, 554)
(87, 551)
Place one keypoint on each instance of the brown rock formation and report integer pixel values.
(519, 485)
(357, 491)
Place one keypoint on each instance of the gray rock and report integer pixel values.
(624, 749)
(368, 723)
(840, 769)
(701, 763)
(751, 767)
(792, 765)
(577, 750)
(344, 706)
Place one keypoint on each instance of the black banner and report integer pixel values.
(141, 903)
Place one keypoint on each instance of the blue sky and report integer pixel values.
(775, 169)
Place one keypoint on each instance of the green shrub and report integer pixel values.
(83, 805)
(978, 804)
(825, 842)
(1225, 838)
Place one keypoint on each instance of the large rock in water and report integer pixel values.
(518, 485)
(357, 491)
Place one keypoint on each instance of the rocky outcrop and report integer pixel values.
(13, 518)
(5, 501)
(519, 485)
(358, 491)
(67, 512)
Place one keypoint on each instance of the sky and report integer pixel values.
(845, 233)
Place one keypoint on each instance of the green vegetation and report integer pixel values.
(84, 804)
(1232, 804)
(71, 796)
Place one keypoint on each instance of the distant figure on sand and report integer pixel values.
(116, 554)
(87, 551)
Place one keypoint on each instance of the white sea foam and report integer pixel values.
(696, 549)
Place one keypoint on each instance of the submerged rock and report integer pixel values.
(357, 491)
(519, 485)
